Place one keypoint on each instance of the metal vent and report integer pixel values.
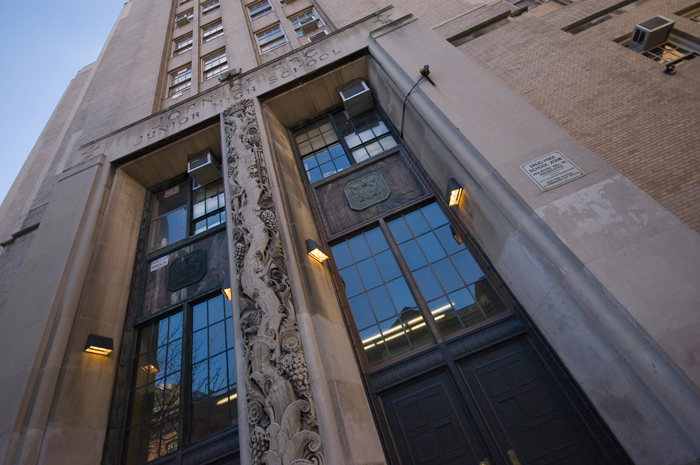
(204, 169)
(650, 33)
(318, 36)
(356, 96)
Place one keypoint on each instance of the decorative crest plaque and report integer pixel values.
(367, 191)
(187, 270)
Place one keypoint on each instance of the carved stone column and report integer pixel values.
(280, 409)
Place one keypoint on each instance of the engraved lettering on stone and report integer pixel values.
(281, 411)
(367, 191)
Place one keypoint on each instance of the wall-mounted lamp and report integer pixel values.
(315, 251)
(226, 288)
(454, 192)
(100, 345)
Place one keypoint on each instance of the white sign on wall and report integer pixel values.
(159, 263)
(552, 170)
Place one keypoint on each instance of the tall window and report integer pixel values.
(172, 218)
(307, 21)
(184, 384)
(336, 142)
(271, 39)
(180, 80)
(208, 7)
(259, 9)
(182, 44)
(214, 64)
(408, 269)
(212, 31)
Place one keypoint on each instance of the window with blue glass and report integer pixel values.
(442, 281)
(184, 368)
(335, 143)
(203, 207)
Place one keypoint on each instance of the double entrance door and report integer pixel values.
(495, 405)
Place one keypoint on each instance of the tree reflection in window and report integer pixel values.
(154, 427)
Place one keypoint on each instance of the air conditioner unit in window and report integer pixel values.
(318, 36)
(309, 26)
(204, 169)
(356, 96)
(650, 33)
(183, 20)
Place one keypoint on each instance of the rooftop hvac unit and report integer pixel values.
(356, 96)
(318, 36)
(650, 33)
(204, 169)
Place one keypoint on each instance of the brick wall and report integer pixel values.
(616, 102)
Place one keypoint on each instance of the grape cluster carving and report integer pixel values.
(293, 367)
(260, 443)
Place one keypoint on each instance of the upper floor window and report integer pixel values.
(212, 31)
(336, 142)
(271, 38)
(182, 44)
(259, 9)
(180, 80)
(306, 22)
(656, 39)
(670, 53)
(692, 13)
(172, 219)
(214, 64)
(208, 7)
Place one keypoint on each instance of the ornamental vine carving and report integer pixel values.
(281, 413)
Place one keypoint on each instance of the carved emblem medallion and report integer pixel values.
(187, 270)
(281, 412)
(367, 191)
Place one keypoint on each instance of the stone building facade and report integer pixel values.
(548, 315)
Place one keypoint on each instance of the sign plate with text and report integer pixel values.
(552, 170)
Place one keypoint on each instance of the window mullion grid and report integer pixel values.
(412, 285)
(190, 200)
(341, 139)
(186, 373)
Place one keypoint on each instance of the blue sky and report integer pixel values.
(43, 45)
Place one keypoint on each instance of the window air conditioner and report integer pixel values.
(204, 169)
(356, 97)
(309, 26)
(183, 20)
(318, 36)
(650, 33)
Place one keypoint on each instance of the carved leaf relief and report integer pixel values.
(281, 413)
